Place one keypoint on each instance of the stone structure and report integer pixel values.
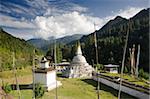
(111, 68)
(129, 89)
(79, 67)
(46, 75)
(62, 67)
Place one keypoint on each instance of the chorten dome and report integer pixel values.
(79, 58)
(79, 67)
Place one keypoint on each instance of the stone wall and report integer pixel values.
(125, 89)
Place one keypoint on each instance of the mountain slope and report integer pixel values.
(39, 43)
(68, 39)
(45, 44)
(117, 21)
(111, 39)
(9, 44)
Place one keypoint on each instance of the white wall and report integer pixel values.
(51, 78)
(47, 79)
(125, 89)
(45, 65)
(40, 78)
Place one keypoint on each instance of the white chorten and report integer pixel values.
(79, 58)
(46, 75)
(79, 67)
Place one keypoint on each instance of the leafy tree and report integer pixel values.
(99, 66)
(143, 74)
(7, 88)
(39, 91)
(59, 53)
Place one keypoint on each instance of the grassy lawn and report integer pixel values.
(76, 89)
(70, 89)
(24, 76)
(130, 79)
(21, 72)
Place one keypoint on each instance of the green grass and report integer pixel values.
(70, 89)
(76, 89)
(130, 78)
(19, 72)
(24, 76)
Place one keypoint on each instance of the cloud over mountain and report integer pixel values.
(65, 24)
(42, 18)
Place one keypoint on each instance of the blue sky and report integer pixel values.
(44, 18)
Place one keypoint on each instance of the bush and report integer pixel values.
(99, 66)
(143, 74)
(125, 69)
(39, 91)
(7, 88)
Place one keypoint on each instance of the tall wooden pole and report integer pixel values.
(96, 53)
(137, 62)
(1, 70)
(14, 70)
(123, 60)
(33, 76)
(132, 59)
(55, 58)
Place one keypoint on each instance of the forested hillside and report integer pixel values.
(45, 44)
(23, 51)
(111, 39)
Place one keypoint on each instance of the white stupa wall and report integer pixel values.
(40, 78)
(46, 79)
(51, 78)
(79, 67)
(45, 65)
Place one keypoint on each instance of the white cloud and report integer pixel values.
(80, 9)
(8, 21)
(75, 23)
(129, 12)
(21, 33)
(65, 24)
(62, 22)
(125, 13)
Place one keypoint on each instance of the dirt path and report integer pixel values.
(3, 94)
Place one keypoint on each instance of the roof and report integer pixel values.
(79, 52)
(43, 60)
(43, 70)
(111, 65)
(64, 64)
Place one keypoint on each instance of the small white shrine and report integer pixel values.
(111, 68)
(62, 67)
(79, 67)
(46, 75)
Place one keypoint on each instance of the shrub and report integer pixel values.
(99, 66)
(125, 69)
(7, 88)
(39, 91)
(143, 74)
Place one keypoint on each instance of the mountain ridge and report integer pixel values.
(111, 39)
(44, 44)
